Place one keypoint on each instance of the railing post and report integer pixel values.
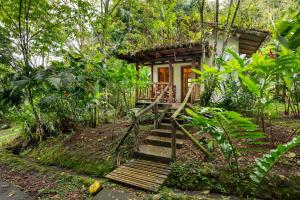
(136, 133)
(156, 115)
(173, 141)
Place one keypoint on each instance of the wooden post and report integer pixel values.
(171, 75)
(137, 78)
(173, 142)
(152, 85)
(136, 133)
(196, 92)
(152, 74)
(156, 115)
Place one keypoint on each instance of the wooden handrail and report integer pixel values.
(139, 114)
(194, 140)
(163, 114)
(174, 124)
(185, 101)
(153, 103)
(135, 124)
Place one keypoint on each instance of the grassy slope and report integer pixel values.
(8, 135)
(87, 151)
(56, 152)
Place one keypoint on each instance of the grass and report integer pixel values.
(274, 109)
(7, 135)
(65, 184)
(293, 124)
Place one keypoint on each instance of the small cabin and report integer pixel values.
(171, 66)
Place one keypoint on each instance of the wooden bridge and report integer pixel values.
(150, 168)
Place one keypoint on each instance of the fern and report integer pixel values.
(265, 164)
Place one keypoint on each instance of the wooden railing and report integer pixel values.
(153, 90)
(175, 124)
(136, 122)
(154, 106)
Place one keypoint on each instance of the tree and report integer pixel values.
(35, 28)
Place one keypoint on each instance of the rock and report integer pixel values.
(205, 192)
(291, 155)
(110, 194)
(156, 197)
(95, 187)
(4, 126)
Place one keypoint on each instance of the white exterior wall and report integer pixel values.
(232, 43)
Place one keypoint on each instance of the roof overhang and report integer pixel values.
(179, 53)
(250, 40)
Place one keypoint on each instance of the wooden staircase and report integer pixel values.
(150, 167)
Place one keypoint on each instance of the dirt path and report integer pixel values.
(10, 192)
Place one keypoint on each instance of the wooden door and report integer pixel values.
(186, 80)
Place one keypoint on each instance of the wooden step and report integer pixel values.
(143, 174)
(154, 153)
(168, 120)
(141, 104)
(165, 125)
(162, 141)
(167, 133)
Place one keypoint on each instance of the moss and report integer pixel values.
(279, 187)
(59, 156)
(8, 135)
(193, 176)
(205, 176)
(167, 194)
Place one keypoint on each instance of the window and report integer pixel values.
(163, 74)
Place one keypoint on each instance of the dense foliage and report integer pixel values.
(59, 69)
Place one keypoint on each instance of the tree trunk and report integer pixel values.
(39, 128)
(105, 112)
(216, 31)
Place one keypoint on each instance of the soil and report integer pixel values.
(37, 185)
(9, 192)
(98, 141)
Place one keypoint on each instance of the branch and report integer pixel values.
(228, 14)
(202, 31)
(230, 27)
(20, 12)
(14, 23)
(27, 21)
(216, 30)
(115, 6)
(44, 29)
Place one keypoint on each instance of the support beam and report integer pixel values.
(152, 73)
(196, 91)
(171, 80)
(137, 78)
(152, 88)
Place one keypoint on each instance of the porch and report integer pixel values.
(171, 67)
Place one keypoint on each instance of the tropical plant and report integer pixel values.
(228, 129)
(288, 32)
(288, 61)
(210, 78)
(266, 163)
